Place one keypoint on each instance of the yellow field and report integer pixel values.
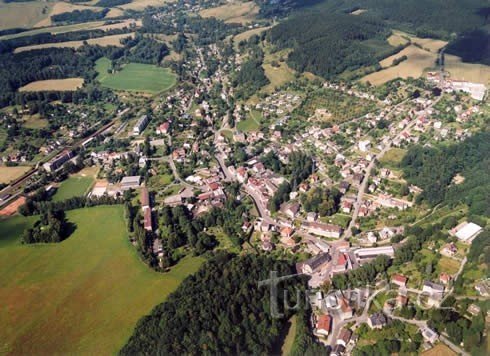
(477, 73)
(235, 12)
(247, 34)
(7, 174)
(448, 265)
(125, 23)
(54, 84)
(397, 39)
(276, 75)
(418, 60)
(439, 350)
(23, 14)
(114, 40)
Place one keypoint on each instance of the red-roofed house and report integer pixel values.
(399, 280)
(324, 325)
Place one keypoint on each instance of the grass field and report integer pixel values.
(74, 186)
(61, 7)
(247, 34)
(8, 174)
(136, 77)
(12, 229)
(448, 265)
(68, 84)
(114, 40)
(81, 296)
(252, 123)
(233, 12)
(393, 157)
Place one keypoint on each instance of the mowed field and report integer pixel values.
(81, 296)
(233, 12)
(8, 174)
(61, 7)
(67, 84)
(471, 72)
(113, 40)
(23, 14)
(136, 77)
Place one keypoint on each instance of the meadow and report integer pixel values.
(23, 14)
(252, 123)
(67, 84)
(233, 12)
(81, 296)
(135, 77)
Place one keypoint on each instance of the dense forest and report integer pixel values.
(433, 170)
(112, 3)
(219, 310)
(473, 47)
(328, 44)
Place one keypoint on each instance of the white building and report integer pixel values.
(140, 125)
(364, 145)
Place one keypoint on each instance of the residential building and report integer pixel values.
(344, 337)
(433, 288)
(140, 125)
(322, 229)
(324, 325)
(377, 321)
(429, 335)
(58, 161)
(316, 263)
(399, 280)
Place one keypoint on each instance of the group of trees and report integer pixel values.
(472, 46)
(112, 3)
(219, 310)
(51, 227)
(362, 276)
(433, 168)
(321, 200)
(144, 50)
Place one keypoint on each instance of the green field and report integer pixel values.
(81, 296)
(12, 228)
(252, 123)
(75, 186)
(135, 77)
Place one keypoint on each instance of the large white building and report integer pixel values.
(373, 252)
(466, 232)
(140, 125)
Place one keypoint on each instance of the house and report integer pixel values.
(148, 224)
(163, 128)
(474, 309)
(311, 217)
(322, 229)
(483, 288)
(342, 263)
(291, 210)
(324, 325)
(287, 231)
(445, 278)
(344, 187)
(316, 263)
(58, 161)
(346, 207)
(433, 288)
(338, 350)
(399, 280)
(401, 300)
(357, 178)
(377, 321)
(364, 145)
(344, 337)
(429, 335)
(466, 231)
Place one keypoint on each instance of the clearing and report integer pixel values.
(233, 12)
(92, 287)
(68, 84)
(8, 174)
(393, 157)
(252, 123)
(61, 7)
(472, 72)
(114, 40)
(247, 34)
(136, 77)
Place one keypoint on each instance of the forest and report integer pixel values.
(473, 47)
(51, 227)
(112, 3)
(433, 169)
(219, 310)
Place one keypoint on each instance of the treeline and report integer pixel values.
(219, 310)
(321, 200)
(328, 44)
(51, 227)
(112, 3)
(41, 38)
(144, 50)
(37, 204)
(249, 79)
(282, 8)
(79, 16)
(473, 47)
(433, 169)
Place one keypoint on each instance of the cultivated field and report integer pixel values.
(439, 350)
(234, 12)
(139, 5)
(81, 296)
(418, 60)
(54, 84)
(398, 38)
(114, 40)
(472, 72)
(23, 14)
(8, 174)
(136, 77)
